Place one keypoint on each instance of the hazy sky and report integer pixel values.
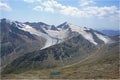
(96, 14)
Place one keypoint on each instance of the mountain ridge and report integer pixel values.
(42, 34)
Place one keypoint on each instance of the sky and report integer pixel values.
(96, 14)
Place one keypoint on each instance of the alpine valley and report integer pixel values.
(36, 50)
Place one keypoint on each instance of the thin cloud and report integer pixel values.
(31, 1)
(38, 8)
(5, 6)
(87, 11)
(84, 3)
(102, 11)
(49, 9)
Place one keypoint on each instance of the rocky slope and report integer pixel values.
(16, 42)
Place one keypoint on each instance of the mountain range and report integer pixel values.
(110, 32)
(35, 46)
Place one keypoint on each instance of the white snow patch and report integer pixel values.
(50, 41)
(61, 34)
(103, 38)
(82, 31)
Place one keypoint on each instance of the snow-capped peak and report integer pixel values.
(80, 30)
(87, 33)
(65, 25)
(55, 35)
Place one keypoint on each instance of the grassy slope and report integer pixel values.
(101, 65)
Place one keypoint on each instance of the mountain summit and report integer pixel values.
(55, 35)
(21, 38)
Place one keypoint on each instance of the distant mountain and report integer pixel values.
(116, 38)
(110, 32)
(55, 35)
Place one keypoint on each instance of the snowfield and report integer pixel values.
(50, 41)
(57, 36)
(82, 31)
(103, 38)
